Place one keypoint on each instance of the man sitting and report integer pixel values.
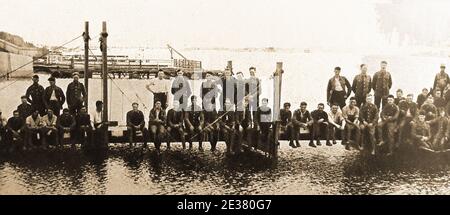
(175, 119)
(136, 125)
(49, 129)
(33, 131)
(368, 121)
(212, 127)
(156, 123)
(194, 122)
(389, 116)
(351, 116)
(84, 127)
(15, 131)
(320, 124)
(3, 123)
(420, 132)
(227, 125)
(300, 120)
(336, 123)
(66, 126)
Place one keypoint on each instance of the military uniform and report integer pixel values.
(212, 130)
(25, 110)
(419, 130)
(34, 96)
(389, 116)
(76, 94)
(362, 85)
(381, 84)
(368, 121)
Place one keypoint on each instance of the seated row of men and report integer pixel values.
(366, 127)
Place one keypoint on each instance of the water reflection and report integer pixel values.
(121, 170)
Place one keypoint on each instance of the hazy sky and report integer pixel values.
(203, 23)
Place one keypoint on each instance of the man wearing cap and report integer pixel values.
(156, 124)
(441, 79)
(381, 84)
(362, 85)
(136, 124)
(181, 89)
(24, 109)
(253, 90)
(160, 89)
(76, 94)
(84, 127)
(338, 89)
(35, 94)
(66, 126)
(97, 121)
(15, 131)
(54, 97)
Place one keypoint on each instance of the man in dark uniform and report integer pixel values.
(209, 91)
(228, 85)
(253, 90)
(194, 123)
(422, 97)
(54, 97)
(15, 134)
(338, 89)
(439, 136)
(408, 111)
(66, 125)
(84, 127)
(389, 116)
(34, 96)
(286, 124)
(439, 101)
(76, 94)
(244, 123)
(156, 124)
(368, 118)
(441, 79)
(399, 97)
(420, 132)
(181, 89)
(362, 85)
(136, 124)
(381, 84)
(300, 119)
(228, 124)
(212, 125)
(24, 109)
(175, 119)
(263, 121)
(429, 108)
(319, 125)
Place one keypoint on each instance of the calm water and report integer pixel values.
(326, 170)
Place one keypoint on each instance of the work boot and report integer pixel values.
(184, 145)
(318, 143)
(334, 142)
(190, 146)
(311, 143)
(297, 144)
(291, 144)
(347, 147)
(329, 143)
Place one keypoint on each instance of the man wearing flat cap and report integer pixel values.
(34, 96)
(76, 94)
(441, 80)
(54, 97)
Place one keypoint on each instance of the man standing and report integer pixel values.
(66, 126)
(338, 89)
(175, 119)
(24, 109)
(181, 89)
(301, 119)
(368, 122)
(389, 116)
(156, 124)
(209, 91)
(336, 123)
(76, 94)
(239, 94)
(49, 129)
(351, 116)
(34, 96)
(136, 125)
(362, 85)
(54, 97)
(159, 87)
(253, 90)
(381, 84)
(228, 85)
(194, 122)
(441, 79)
(319, 125)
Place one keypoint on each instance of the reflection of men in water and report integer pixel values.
(15, 131)
(211, 130)
(300, 119)
(441, 79)
(263, 121)
(389, 116)
(194, 122)
(136, 125)
(156, 123)
(175, 119)
(160, 89)
(66, 126)
(181, 89)
(76, 94)
(24, 109)
(338, 89)
(368, 118)
(420, 132)
(381, 84)
(319, 125)
(351, 116)
(54, 97)
(227, 125)
(35, 95)
(362, 85)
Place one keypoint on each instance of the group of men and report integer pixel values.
(38, 121)
(389, 121)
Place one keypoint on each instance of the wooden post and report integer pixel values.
(104, 48)
(86, 60)
(277, 78)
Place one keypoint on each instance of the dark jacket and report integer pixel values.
(244, 120)
(263, 116)
(194, 116)
(391, 111)
(441, 80)
(14, 124)
(297, 118)
(25, 110)
(59, 94)
(362, 85)
(369, 113)
(66, 121)
(75, 93)
(316, 115)
(285, 116)
(83, 120)
(161, 116)
(135, 118)
(175, 117)
(381, 83)
(344, 83)
(228, 119)
(34, 95)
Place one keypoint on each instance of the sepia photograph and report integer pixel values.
(215, 97)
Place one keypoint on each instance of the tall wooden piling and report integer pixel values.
(277, 78)
(86, 60)
(104, 48)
